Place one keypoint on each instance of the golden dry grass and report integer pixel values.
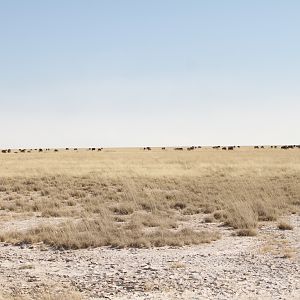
(285, 226)
(134, 198)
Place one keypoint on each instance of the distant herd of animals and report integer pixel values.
(230, 147)
(44, 150)
(285, 147)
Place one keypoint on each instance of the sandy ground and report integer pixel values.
(263, 267)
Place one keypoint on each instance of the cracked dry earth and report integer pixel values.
(266, 266)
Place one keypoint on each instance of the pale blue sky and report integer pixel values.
(159, 72)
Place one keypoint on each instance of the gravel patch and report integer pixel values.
(266, 266)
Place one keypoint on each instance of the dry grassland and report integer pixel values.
(136, 198)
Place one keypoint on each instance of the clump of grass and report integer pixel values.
(208, 219)
(26, 267)
(123, 209)
(285, 226)
(119, 219)
(191, 211)
(179, 205)
(177, 265)
(288, 253)
(103, 232)
(241, 216)
(182, 237)
(265, 210)
(220, 215)
(155, 219)
(246, 232)
(208, 209)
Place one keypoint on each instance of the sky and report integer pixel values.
(115, 73)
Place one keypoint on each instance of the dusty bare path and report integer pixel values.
(262, 267)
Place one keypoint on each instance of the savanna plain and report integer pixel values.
(159, 224)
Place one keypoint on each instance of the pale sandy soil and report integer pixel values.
(263, 267)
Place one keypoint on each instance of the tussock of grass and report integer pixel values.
(246, 232)
(285, 226)
(220, 215)
(92, 233)
(123, 209)
(241, 215)
(208, 219)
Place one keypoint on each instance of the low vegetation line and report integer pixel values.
(152, 209)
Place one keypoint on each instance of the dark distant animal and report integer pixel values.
(163, 148)
(178, 148)
(199, 147)
(238, 146)
(190, 148)
(40, 150)
(287, 147)
(55, 150)
(93, 149)
(22, 150)
(75, 149)
(99, 149)
(224, 148)
(216, 147)
(230, 148)
(262, 147)
(4, 151)
(8, 150)
(67, 148)
(256, 147)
